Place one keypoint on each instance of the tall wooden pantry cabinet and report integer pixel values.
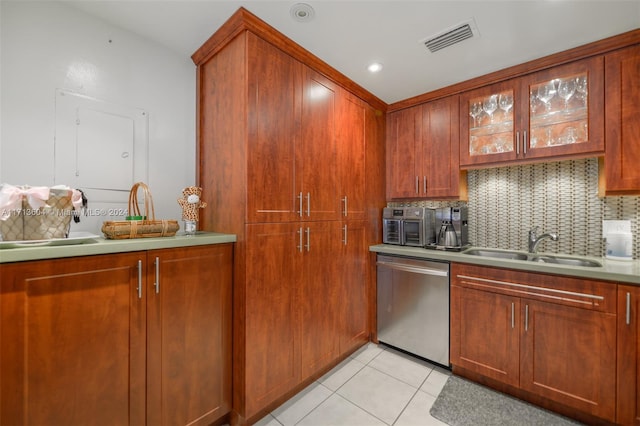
(289, 159)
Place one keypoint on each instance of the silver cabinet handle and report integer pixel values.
(518, 143)
(344, 201)
(299, 246)
(513, 313)
(424, 180)
(308, 204)
(157, 283)
(139, 279)
(417, 184)
(534, 289)
(524, 142)
(300, 204)
(415, 269)
(308, 245)
(628, 318)
(526, 317)
(344, 232)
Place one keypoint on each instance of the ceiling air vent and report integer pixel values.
(451, 36)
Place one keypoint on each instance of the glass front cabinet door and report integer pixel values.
(555, 113)
(489, 124)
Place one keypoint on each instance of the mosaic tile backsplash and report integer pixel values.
(561, 197)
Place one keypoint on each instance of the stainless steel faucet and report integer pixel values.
(534, 239)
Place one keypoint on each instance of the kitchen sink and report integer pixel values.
(532, 257)
(501, 254)
(573, 261)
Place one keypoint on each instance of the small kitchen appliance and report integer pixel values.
(408, 226)
(392, 225)
(418, 226)
(452, 226)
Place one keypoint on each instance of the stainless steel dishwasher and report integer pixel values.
(413, 306)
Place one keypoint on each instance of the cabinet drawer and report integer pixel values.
(578, 292)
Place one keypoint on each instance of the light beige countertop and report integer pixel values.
(611, 270)
(100, 245)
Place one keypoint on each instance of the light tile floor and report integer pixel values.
(375, 386)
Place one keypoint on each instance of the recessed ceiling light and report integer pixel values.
(302, 12)
(374, 67)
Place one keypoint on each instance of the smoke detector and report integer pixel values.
(451, 36)
(302, 12)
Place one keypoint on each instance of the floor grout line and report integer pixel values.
(355, 357)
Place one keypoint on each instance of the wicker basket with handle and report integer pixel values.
(32, 213)
(148, 227)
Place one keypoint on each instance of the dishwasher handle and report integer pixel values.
(416, 269)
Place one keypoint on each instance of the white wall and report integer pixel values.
(43, 45)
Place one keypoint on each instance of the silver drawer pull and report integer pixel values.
(139, 279)
(299, 246)
(543, 290)
(157, 283)
(308, 245)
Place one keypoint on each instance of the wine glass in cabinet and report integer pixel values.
(487, 124)
(552, 114)
(571, 122)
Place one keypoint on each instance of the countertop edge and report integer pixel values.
(101, 245)
(626, 272)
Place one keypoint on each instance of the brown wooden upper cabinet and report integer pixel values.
(622, 114)
(556, 113)
(292, 169)
(353, 118)
(422, 151)
(307, 135)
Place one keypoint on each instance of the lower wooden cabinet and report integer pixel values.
(333, 298)
(189, 335)
(628, 391)
(318, 285)
(266, 318)
(553, 338)
(484, 337)
(303, 307)
(73, 342)
(567, 355)
(353, 293)
(133, 338)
